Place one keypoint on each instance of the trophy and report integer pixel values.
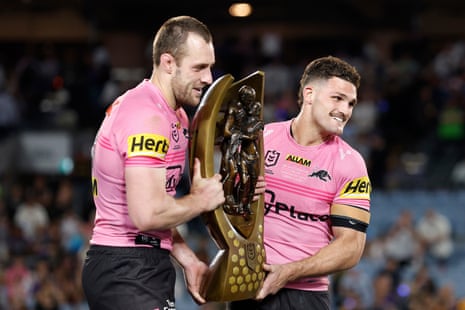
(227, 137)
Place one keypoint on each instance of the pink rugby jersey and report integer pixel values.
(139, 129)
(302, 184)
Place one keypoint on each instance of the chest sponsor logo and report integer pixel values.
(146, 144)
(271, 158)
(299, 160)
(357, 189)
(272, 205)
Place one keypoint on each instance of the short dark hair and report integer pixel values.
(172, 36)
(326, 68)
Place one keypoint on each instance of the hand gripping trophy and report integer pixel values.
(227, 137)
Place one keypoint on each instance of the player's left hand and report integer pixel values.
(195, 275)
(275, 279)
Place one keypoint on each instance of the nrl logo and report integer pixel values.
(271, 158)
(174, 131)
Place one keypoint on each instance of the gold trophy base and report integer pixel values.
(236, 272)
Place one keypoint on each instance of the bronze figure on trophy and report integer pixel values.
(240, 151)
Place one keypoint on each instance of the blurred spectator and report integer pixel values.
(402, 243)
(356, 288)
(451, 127)
(48, 294)
(70, 231)
(449, 59)
(31, 216)
(431, 297)
(458, 174)
(423, 282)
(17, 244)
(47, 245)
(384, 297)
(68, 277)
(435, 233)
(18, 283)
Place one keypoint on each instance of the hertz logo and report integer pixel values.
(359, 188)
(148, 145)
(299, 160)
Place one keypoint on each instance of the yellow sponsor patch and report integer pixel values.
(147, 144)
(357, 189)
(94, 187)
(299, 160)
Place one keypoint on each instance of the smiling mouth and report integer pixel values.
(339, 119)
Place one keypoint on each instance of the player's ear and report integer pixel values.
(307, 93)
(167, 62)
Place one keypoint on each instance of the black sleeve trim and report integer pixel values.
(342, 221)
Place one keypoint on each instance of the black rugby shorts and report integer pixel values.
(286, 299)
(128, 278)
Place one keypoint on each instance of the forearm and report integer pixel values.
(170, 212)
(341, 254)
(181, 252)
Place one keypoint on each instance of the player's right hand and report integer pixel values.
(208, 192)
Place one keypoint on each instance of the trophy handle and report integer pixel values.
(236, 271)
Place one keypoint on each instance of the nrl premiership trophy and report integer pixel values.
(227, 138)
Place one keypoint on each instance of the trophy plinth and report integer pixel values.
(227, 138)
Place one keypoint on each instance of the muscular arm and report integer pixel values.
(151, 207)
(342, 253)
